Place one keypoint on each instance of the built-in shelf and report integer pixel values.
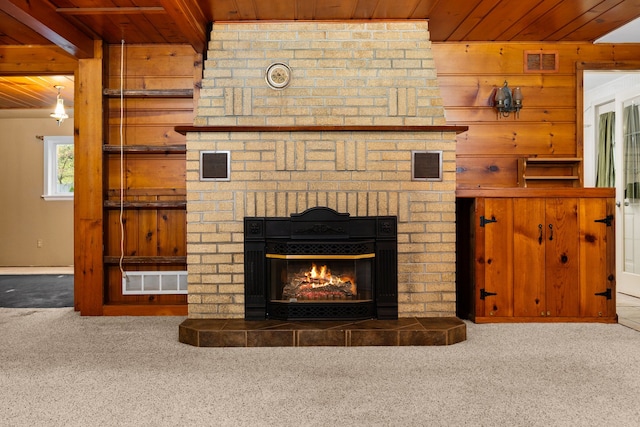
(149, 93)
(164, 204)
(550, 172)
(151, 149)
(145, 260)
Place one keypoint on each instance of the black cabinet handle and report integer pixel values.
(539, 234)
(550, 231)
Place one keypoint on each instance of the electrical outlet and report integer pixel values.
(39, 243)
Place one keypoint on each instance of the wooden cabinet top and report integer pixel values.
(536, 192)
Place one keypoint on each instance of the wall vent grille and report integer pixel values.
(540, 62)
(154, 282)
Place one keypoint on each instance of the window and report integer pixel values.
(58, 168)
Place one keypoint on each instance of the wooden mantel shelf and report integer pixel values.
(444, 128)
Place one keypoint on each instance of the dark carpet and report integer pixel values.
(36, 291)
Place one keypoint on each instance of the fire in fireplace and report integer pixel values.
(319, 284)
(321, 264)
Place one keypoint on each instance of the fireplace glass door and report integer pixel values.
(320, 286)
(320, 279)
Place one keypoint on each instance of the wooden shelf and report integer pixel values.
(145, 260)
(149, 93)
(550, 172)
(146, 149)
(168, 204)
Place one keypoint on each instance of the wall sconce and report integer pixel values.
(59, 114)
(507, 102)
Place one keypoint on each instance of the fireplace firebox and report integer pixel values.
(321, 265)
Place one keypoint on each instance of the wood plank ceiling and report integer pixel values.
(73, 25)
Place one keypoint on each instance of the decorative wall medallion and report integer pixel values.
(278, 75)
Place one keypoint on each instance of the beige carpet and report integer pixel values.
(60, 369)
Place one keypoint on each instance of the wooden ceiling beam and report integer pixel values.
(41, 17)
(189, 19)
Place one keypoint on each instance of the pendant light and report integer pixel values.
(59, 114)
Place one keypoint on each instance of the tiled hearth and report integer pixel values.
(409, 331)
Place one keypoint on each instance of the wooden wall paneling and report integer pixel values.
(480, 58)
(486, 171)
(471, 115)
(149, 121)
(147, 232)
(88, 214)
(172, 232)
(549, 124)
(519, 139)
(148, 171)
(539, 90)
(152, 66)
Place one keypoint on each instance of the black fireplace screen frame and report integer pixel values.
(318, 225)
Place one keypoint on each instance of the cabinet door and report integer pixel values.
(597, 275)
(529, 236)
(494, 260)
(562, 260)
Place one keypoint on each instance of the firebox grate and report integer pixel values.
(321, 248)
(321, 311)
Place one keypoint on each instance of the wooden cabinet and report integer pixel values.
(546, 257)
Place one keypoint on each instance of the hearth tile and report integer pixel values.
(204, 324)
(243, 325)
(457, 334)
(443, 323)
(385, 324)
(379, 337)
(331, 337)
(270, 338)
(188, 335)
(248, 325)
(422, 338)
(308, 324)
(270, 333)
(324, 324)
(223, 339)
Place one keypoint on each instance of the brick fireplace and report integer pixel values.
(335, 126)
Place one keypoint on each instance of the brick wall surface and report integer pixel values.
(343, 74)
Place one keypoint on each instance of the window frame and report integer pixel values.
(51, 144)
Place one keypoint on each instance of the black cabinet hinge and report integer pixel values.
(484, 294)
(606, 293)
(484, 221)
(606, 220)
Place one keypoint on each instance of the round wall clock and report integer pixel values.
(278, 75)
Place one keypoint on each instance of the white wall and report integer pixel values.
(25, 218)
